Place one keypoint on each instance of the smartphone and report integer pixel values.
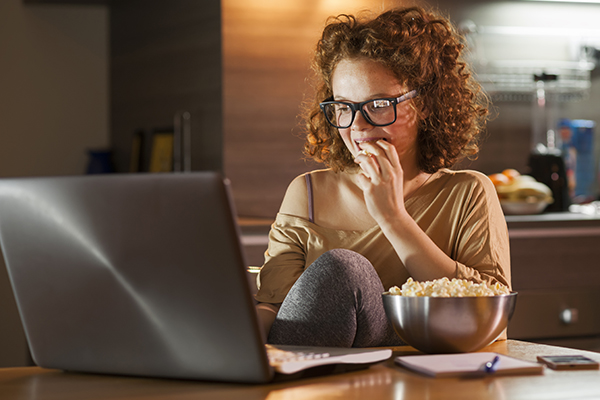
(569, 362)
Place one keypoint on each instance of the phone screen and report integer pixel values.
(569, 362)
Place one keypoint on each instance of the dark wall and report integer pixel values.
(166, 57)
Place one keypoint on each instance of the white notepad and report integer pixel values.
(466, 365)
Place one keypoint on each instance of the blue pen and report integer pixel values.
(491, 366)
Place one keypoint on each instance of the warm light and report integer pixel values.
(570, 1)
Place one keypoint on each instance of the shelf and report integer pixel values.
(509, 61)
(68, 2)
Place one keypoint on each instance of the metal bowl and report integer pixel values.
(449, 324)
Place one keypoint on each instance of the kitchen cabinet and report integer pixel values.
(555, 268)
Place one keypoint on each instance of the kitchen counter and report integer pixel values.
(552, 217)
(382, 381)
(554, 220)
(554, 265)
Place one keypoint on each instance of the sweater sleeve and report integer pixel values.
(482, 249)
(285, 260)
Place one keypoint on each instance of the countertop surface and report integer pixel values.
(382, 381)
(250, 226)
(553, 217)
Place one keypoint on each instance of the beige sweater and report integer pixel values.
(458, 210)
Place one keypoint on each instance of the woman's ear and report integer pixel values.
(420, 113)
(421, 109)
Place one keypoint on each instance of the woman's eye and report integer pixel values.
(342, 108)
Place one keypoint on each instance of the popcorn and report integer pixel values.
(445, 287)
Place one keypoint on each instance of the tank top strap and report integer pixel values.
(309, 189)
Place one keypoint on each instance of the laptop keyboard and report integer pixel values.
(278, 356)
(291, 361)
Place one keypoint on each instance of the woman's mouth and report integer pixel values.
(359, 142)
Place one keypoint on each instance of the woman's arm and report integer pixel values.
(295, 200)
(477, 244)
(284, 259)
(382, 183)
(266, 316)
(423, 259)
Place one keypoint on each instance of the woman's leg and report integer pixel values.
(335, 302)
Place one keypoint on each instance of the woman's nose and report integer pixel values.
(360, 123)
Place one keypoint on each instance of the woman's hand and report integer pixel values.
(381, 180)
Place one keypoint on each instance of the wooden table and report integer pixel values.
(382, 381)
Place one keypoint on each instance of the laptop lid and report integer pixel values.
(135, 274)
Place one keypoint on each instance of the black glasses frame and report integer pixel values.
(358, 107)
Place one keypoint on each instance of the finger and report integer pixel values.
(381, 152)
(368, 162)
(390, 152)
(369, 153)
(370, 169)
(370, 149)
(365, 157)
(389, 162)
(363, 181)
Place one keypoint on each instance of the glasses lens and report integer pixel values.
(380, 112)
(339, 114)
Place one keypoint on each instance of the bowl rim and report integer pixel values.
(387, 293)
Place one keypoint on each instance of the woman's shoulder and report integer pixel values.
(319, 175)
(460, 185)
(300, 184)
(468, 187)
(295, 201)
(465, 177)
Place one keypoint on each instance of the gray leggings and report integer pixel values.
(336, 302)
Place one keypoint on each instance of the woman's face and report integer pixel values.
(358, 80)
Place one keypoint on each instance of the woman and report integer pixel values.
(396, 107)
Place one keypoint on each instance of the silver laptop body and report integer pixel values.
(139, 274)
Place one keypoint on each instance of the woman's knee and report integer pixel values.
(335, 273)
(341, 262)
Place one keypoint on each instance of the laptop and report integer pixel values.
(143, 275)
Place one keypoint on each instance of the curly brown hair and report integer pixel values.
(423, 50)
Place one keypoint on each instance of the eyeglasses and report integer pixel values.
(377, 112)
